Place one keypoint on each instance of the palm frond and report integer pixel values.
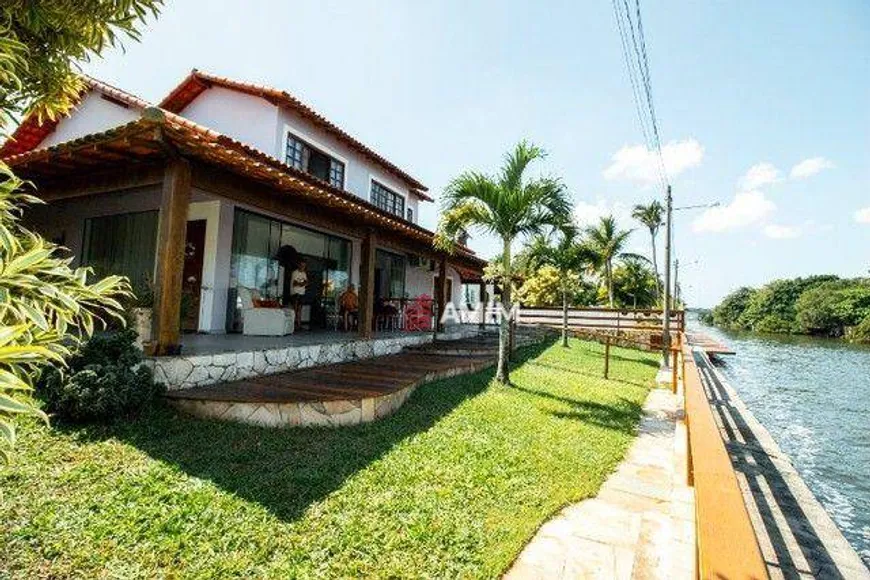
(516, 162)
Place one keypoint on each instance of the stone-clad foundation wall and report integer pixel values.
(182, 372)
(314, 414)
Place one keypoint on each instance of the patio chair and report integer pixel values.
(264, 320)
(418, 314)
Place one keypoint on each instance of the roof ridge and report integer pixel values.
(125, 96)
(30, 132)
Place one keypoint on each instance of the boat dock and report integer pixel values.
(710, 345)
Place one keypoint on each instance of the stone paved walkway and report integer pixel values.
(640, 525)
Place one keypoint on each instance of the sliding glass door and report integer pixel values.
(265, 251)
(123, 244)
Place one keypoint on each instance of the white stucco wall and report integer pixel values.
(248, 119)
(258, 123)
(359, 171)
(422, 281)
(93, 115)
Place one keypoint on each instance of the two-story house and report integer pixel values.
(225, 185)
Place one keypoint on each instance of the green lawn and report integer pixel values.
(452, 485)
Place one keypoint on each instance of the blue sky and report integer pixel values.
(440, 87)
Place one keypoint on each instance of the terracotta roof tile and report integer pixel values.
(197, 82)
(30, 133)
(211, 146)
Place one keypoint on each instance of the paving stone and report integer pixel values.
(627, 530)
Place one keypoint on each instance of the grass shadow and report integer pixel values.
(577, 371)
(287, 470)
(622, 416)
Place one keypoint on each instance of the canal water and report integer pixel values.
(813, 396)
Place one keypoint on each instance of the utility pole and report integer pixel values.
(666, 314)
(676, 283)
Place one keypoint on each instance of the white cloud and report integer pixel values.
(759, 175)
(809, 167)
(747, 208)
(862, 216)
(637, 163)
(780, 232)
(587, 214)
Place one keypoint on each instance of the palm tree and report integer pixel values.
(634, 283)
(508, 206)
(651, 216)
(606, 243)
(568, 256)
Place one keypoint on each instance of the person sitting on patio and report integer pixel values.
(298, 285)
(348, 306)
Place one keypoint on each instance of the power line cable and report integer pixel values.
(633, 41)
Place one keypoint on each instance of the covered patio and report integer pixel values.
(182, 172)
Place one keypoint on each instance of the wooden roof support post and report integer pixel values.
(484, 300)
(441, 291)
(171, 233)
(367, 285)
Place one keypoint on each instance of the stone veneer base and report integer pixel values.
(183, 372)
(315, 413)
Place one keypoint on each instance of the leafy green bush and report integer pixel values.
(729, 311)
(861, 332)
(772, 308)
(104, 381)
(833, 306)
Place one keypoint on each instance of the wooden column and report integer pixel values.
(367, 285)
(484, 300)
(441, 290)
(171, 232)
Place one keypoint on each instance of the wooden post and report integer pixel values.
(171, 232)
(674, 370)
(482, 306)
(607, 357)
(367, 285)
(441, 291)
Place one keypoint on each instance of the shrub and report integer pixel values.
(861, 332)
(833, 306)
(104, 381)
(729, 311)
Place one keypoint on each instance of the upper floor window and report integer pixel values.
(410, 215)
(387, 199)
(303, 156)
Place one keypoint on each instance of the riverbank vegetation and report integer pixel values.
(816, 305)
(452, 485)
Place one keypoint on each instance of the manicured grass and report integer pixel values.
(452, 485)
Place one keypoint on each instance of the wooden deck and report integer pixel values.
(361, 379)
(710, 345)
(341, 394)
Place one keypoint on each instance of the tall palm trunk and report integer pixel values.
(652, 236)
(502, 373)
(565, 317)
(608, 273)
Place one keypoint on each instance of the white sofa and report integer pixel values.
(258, 321)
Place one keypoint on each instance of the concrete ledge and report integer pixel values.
(183, 372)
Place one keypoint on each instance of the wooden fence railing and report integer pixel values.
(602, 318)
(726, 543)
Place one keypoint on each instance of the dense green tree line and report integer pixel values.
(817, 305)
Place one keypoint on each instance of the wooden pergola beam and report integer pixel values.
(441, 290)
(367, 285)
(171, 233)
